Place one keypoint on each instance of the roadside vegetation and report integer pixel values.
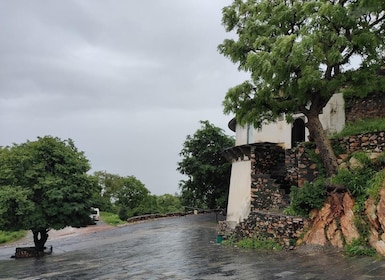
(256, 242)
(10, 236)
(111, 219)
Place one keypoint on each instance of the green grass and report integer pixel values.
(375, 184)
(111, 219)
(358, 247)
(361, 126)
(10, 236)
(257, 242)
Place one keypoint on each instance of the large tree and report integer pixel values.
(207, 169)
(299, 53)
(44, 185)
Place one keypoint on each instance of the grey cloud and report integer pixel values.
(126, 80)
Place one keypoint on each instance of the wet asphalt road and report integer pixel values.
(178, 248)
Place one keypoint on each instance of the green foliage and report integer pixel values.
(362, 157)
(338, 148)
(356, 180)
(298, 54)
(111, 218)
(359, 247)
(310, 196)
(207, 169)
(128, 197)
(259, 242)
(107, 191)
(123, 213)
(10, 236)
(375, 184)
(168, 203)
(131, 192)
(44, 184)
(361, 126)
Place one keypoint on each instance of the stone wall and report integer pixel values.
(367, 142)
(300, 168)
(371, 106)
(284, 229)
(267, 170)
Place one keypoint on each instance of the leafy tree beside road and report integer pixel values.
(299, 53)
(207, 169)
(128, 197)
(44, 185)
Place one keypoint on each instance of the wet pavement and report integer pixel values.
(178, 248)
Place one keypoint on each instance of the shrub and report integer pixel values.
(356, 180)
(311, 196)
(123, 213)
(259, 242)
(375, 184)
(359, 247)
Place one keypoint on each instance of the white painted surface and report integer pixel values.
(333, 115)
(238, 207)
(332, 119)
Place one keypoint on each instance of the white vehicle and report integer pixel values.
(95, 214)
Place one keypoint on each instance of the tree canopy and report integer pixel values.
(128, 197)
(207, 169)
(44, 184)
(299, 53)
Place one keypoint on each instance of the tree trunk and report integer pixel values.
(40, 237)
(323, 144)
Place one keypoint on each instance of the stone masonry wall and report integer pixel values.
(371, 106)
(300, 168)
(266, 163)
(373, 142)
(284, 229)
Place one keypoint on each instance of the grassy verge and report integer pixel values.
(10, 236)
(111, 219)
(257, 242)
(361, 126)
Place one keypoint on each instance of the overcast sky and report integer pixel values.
(126, 80)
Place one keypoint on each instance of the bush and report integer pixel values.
(310, 196)
(111, 219)
(123, 213)
(359, 247)
(375, 185)
(355, 180)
